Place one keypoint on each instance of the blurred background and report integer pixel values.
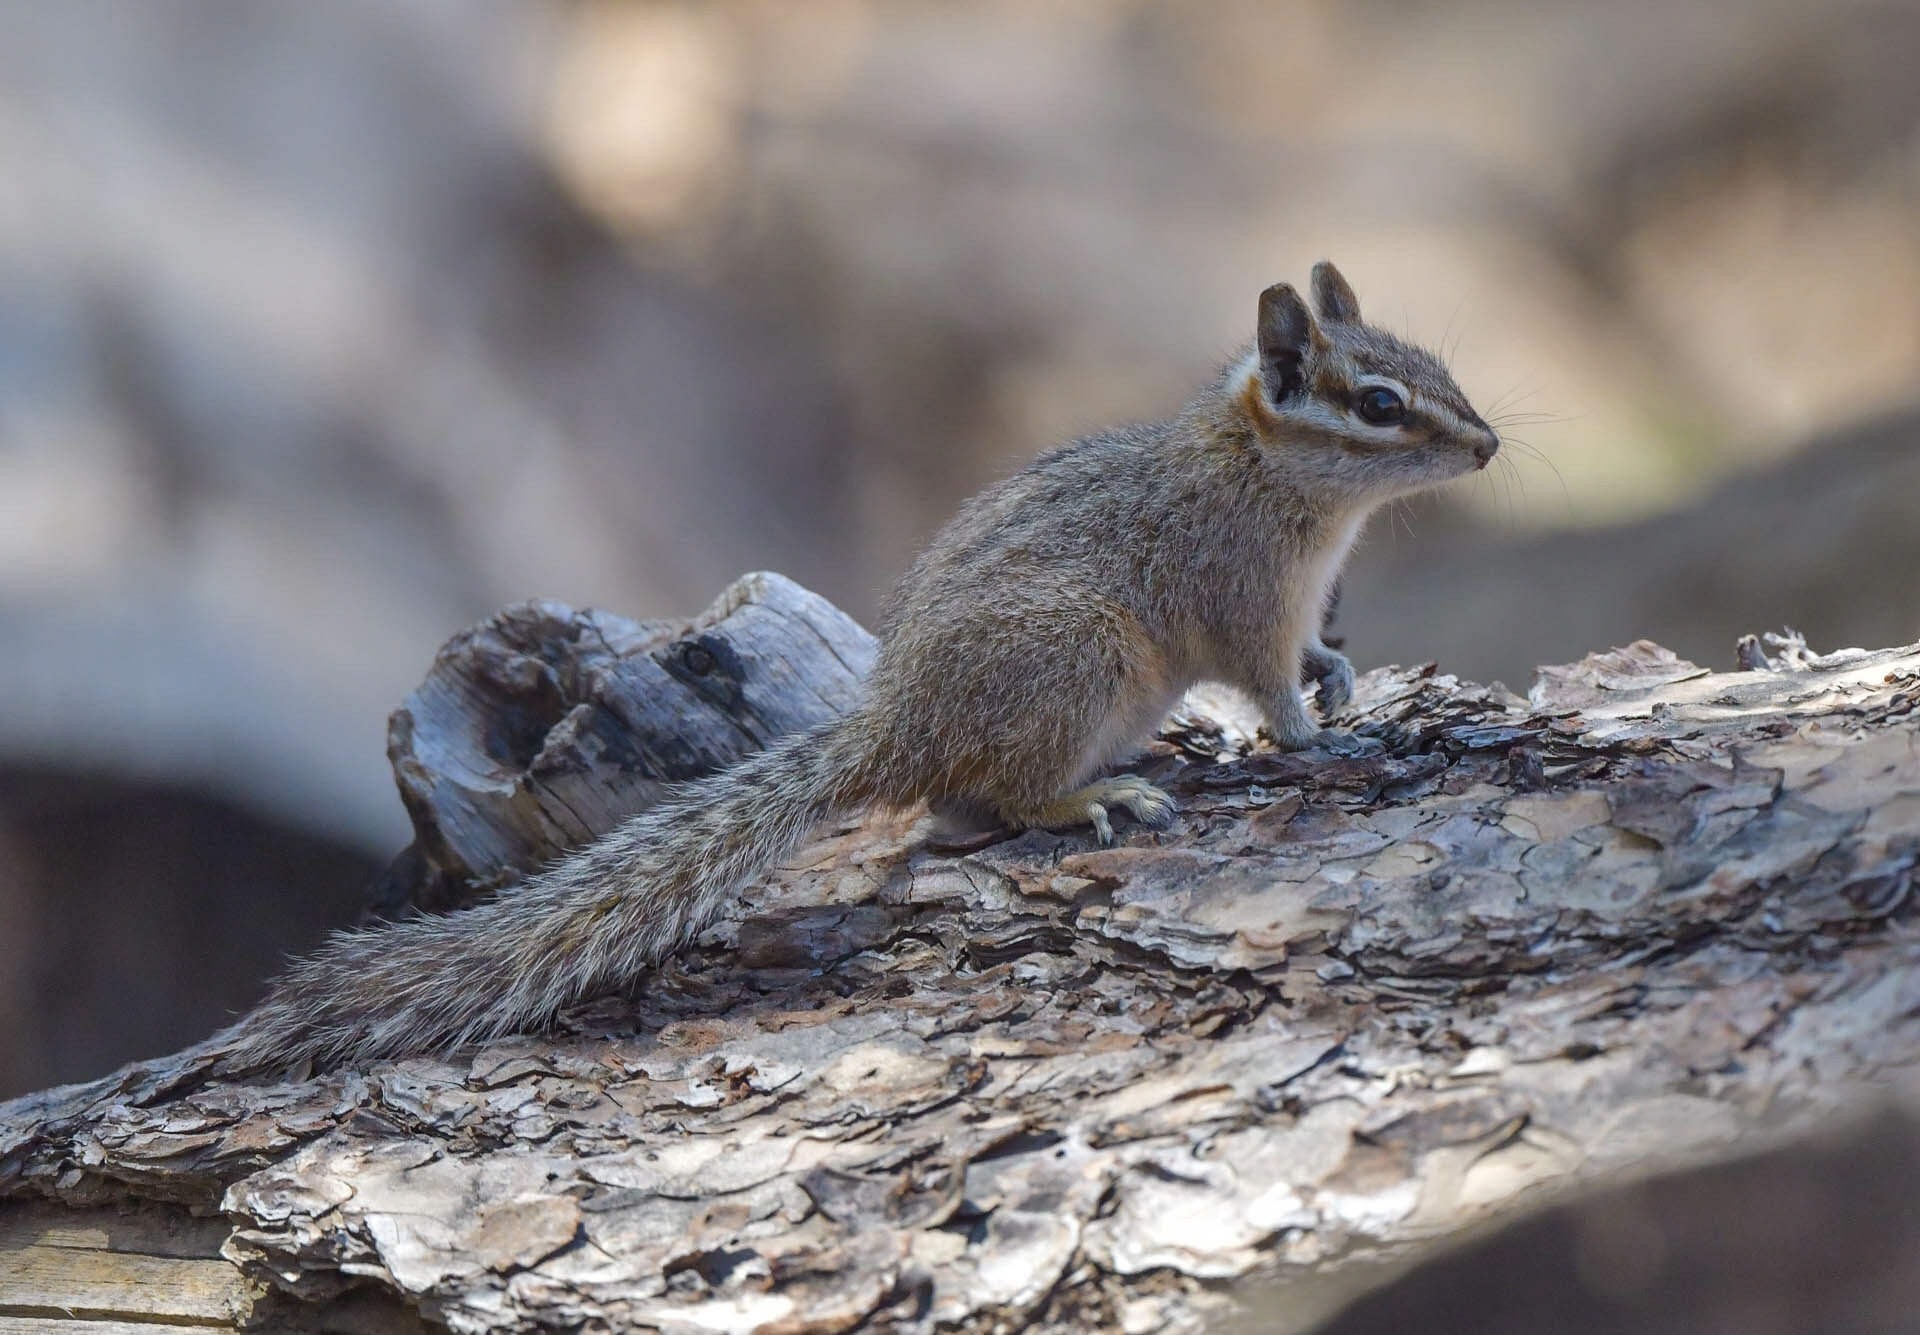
(327, 329)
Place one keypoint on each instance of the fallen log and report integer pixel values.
(1341, 1012)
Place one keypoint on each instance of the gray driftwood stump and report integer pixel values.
(542, 727)
(1340, 1012)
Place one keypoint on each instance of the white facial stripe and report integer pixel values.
(1316, 413)
(1324, 416)
(1366, 383)
(1449, 419)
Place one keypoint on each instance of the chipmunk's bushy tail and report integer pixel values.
(589, 924)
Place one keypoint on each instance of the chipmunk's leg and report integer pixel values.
(1125, 689)
(1269, 672)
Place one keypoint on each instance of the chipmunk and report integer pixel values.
(1043, 634)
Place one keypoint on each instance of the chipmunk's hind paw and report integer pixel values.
(1093, 805)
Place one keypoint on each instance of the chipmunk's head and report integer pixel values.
(1352, 402)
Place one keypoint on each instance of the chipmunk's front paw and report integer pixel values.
(1346, 744)
(1343, 744)
(1334, 673)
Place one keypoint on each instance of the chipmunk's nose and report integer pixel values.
(1485, 447)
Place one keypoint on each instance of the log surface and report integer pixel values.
(1342, 1009)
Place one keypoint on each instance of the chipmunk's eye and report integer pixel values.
(1380, 406)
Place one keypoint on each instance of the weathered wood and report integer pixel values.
(542, 727)
(1342, 1009)
(105, 1266)
(47, 1281)
(80, 1324)
(147, 1270)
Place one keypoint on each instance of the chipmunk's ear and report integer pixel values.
(1286, 338)
(1332, 296)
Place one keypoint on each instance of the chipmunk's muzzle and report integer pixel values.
(1484, 448)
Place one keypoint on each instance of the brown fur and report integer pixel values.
(1043, 633)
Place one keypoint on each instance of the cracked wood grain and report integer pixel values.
(543, 727)
(1341, 1011)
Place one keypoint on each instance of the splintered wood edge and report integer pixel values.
(484, 814)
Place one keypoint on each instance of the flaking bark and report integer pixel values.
(1343, 1009)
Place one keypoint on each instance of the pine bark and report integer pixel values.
(1342, 1011)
